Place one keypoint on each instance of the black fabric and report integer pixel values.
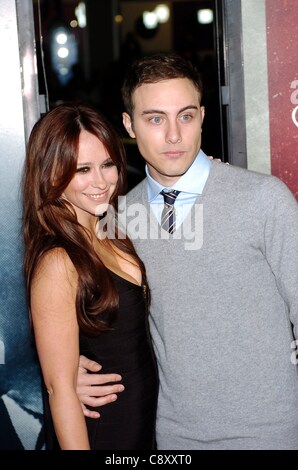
(51, 441)
(129, 422)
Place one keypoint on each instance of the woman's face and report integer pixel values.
(94, 182)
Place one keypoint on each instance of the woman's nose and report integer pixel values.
(99, 180)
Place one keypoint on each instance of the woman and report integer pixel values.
(86, 291)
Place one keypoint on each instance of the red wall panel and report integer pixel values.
(282, 51)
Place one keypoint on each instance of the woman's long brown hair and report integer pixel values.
(50, 222)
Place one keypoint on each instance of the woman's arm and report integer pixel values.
(53, 295)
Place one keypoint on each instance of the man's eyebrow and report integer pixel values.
(158, 111)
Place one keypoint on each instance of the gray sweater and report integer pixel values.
(224, 314)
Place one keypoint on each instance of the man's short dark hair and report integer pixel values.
(156, 68)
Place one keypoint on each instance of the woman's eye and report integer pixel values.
(83, 169)
(108, 164)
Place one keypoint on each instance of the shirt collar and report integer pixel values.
(193, 181)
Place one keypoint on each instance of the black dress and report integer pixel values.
(129, 422)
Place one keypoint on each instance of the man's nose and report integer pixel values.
(173, 135)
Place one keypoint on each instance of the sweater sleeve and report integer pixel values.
(281, 244)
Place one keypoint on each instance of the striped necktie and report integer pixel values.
(168, 219)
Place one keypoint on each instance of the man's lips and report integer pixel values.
(174, 153)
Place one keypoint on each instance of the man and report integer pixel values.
(224, 282)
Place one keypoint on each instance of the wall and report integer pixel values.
(20, 399)
(256, 85)
(270, 29)
(282, 52)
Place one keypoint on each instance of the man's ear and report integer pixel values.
(202, 113)
(126, 119)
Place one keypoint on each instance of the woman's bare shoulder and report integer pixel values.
(55, 265)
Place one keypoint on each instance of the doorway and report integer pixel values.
(106, 36)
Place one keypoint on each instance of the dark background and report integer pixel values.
(114, 36)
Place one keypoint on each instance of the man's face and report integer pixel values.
(167, 121)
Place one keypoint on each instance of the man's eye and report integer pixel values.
(185, 117)
(156, 120)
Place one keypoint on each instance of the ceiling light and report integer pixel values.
(63, 52)
(61, 38)
(163, 13)
(150, 19)
(80, 12)
(205, 16)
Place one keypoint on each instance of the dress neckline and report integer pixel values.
(124, 279)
